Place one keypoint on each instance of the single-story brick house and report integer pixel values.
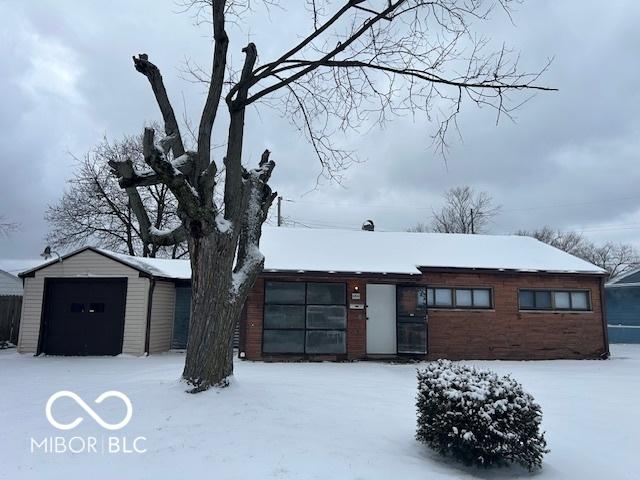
(622, 295)
(334, 295)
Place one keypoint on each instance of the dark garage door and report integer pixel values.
(84, 316)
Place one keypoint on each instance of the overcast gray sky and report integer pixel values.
(570, 161)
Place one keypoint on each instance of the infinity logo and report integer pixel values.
(89, 410)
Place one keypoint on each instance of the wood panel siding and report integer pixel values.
(86, 264)
(10, 309)
(162, 313)
(623, 313)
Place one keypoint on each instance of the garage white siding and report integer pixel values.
(162, 307)
(86, 264)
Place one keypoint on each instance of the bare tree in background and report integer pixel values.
(570, 242)
(615, 258)
(95, 210)
(6, 226)
(464, 211)
(359, 61)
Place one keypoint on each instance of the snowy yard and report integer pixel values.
(302, 420)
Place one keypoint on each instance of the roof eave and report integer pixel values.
(32, 272)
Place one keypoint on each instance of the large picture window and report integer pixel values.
(577, 300)
(305, 318)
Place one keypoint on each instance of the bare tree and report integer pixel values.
(7, 226)
(419, 228)
(95, 210)
(358, 59)
(570, 242)
(615, 258)
(464, 211)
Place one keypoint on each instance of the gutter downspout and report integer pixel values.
(605, 329)
(147, 335)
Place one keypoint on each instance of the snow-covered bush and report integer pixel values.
(478, 417)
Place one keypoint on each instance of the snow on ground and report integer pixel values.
(302, 420)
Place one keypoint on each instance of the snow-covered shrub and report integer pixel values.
(478, 417)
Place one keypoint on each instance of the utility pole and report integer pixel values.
(472, 226)
(279, 211)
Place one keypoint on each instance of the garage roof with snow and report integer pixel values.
(348, 251)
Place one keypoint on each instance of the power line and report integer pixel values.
(342, 226)
(414, 207)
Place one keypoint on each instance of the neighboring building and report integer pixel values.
(10, 306)
(332, 294)
(623, 307)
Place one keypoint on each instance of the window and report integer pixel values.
(443, 297)
(284, 316)
(463, 298)
(542, 299)
(553, 300)
(482, 298)
(412, 338)
(412, 301)
(285, 293)
(459, 297)
(305, 318)
(579, 301)
(562, 299)
(326, 293)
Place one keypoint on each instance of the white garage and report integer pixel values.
(95, 302)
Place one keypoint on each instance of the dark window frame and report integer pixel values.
(305, 329)
(553, 307)
(454, 305)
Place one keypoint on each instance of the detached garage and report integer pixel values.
(95, 302)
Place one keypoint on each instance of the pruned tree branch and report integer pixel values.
(233, 160)
(167, 238)
(170, 176)
(215, 87)
(128, 176)
(94, 209)
(149, 70)
(257, 199)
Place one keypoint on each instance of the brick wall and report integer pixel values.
(506, 333)
(500, 333)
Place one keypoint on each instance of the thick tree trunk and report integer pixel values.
(215, 308)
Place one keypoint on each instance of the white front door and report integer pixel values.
(381, 319)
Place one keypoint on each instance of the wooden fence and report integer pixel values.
(10, 308)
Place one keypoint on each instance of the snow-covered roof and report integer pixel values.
(629, 278)
(10, 285)
(157, 267)
(349, 251)
(403, 252)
